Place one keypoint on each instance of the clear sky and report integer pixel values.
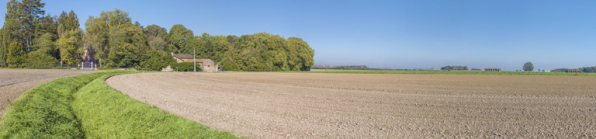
(402, 34)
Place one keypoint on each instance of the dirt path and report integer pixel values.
(317, 105)
(13, 82)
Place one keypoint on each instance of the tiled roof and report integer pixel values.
(198, 60)
(183, 56)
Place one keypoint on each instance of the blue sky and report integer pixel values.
(402, 34)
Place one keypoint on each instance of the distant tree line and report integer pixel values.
(29, 38)
(584, 70)
(588, 69)
(322, 66)
(454, 68)
(351, 67)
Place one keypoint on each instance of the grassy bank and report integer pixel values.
(45, 112)
(84, 107)
(449, 72)
(107, 113)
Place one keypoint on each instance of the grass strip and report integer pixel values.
(45, 111)
(107, 113)
(84, 107)
(448, 72)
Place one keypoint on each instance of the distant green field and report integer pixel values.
(84, 107)
(448, 72)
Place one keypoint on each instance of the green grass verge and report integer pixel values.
(45, 112)
(449, 72)
(84, 107)
(107, 113)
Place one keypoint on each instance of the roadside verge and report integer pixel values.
(106, 112)
(84, 107)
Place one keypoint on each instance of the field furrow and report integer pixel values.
(320, 105)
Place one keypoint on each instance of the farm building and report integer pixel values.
(205, 64)
(181, 57)
(492, 69)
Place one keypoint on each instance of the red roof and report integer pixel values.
(183, 56)
(197, 60)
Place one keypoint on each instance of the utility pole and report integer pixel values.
(194, 58)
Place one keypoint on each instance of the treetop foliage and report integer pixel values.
(583, 69)
(528, 66)
(454, 68)
(16, 55)
(118, 42)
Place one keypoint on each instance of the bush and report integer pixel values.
(41, 60)
(155, 61)
(229, 65)
(185, 66)
(16, 55)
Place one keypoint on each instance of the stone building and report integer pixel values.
(205, 64)
(181, 57)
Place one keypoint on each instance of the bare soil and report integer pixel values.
(13, 82)
(320, 105)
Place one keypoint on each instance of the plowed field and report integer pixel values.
(320, 105)
(13, 82)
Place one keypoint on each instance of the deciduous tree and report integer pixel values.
(16, 55)
(528, 66)
(10, 30)
(156, 60)
(115, 39)
(70, 46)
(157, 37)
(178, 37)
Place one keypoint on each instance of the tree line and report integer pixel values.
(30, 38)
(583, 69)
(454, 68)
(351, 67)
